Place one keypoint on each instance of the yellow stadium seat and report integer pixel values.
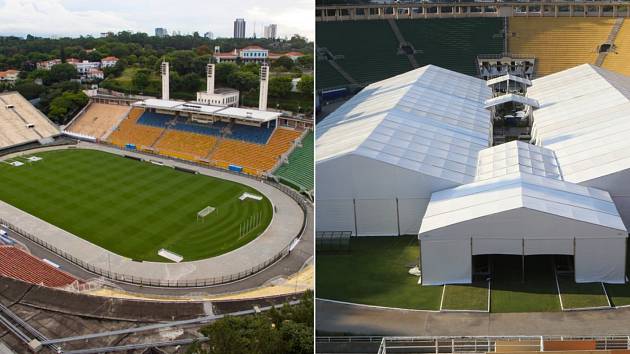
(558, 43)
(619, 58)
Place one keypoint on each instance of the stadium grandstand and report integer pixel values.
(242, 138)
(21, 123)
(559, 43)
(97, 120)
(298, 170)
(16, 263)
(617, 57)
(361, 43)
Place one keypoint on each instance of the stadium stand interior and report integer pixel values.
(369, 49)
(299, 169)
(453, 43)
(21, 123)
(17, 264)
(328, 77)
(558, 43)
(98, 119)
(184, 145)
(255, 156)
(617, 60)
(256, 149)
(128, 132)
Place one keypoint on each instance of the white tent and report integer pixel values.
(584, 117)
(382, 153)
(522, 214)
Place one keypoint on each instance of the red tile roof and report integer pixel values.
(15, 263)
(110, 58)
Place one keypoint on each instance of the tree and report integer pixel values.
(243, 80)
(288, 330)
(284, 62)
(64, 106)
(306, 61)
(29, 89)
(306, 84)
(141, 79)
(280, 86)
(62, 72)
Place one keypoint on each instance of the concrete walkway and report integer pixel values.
(285, 225)
(362, 320)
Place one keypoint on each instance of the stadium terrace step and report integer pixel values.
(17, 264)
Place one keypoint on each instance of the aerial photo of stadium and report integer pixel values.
(158, 218)
(471, 176)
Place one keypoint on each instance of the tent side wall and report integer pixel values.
(446, 262)
(387, 200)
(600, 260)
(600, 252)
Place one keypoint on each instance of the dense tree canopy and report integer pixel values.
(288, 330)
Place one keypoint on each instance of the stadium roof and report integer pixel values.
(584, 118)
(430, 120)
(250, 114)
(21, 123)
(521, 190)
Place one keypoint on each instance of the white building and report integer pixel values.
(95, 74)
(411, 154)
(383, 153)
(9, 76)
(47, 64)
(270, 31)
(109, 62)
(251, 54)
(217, 96)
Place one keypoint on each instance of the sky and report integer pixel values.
(74, 18)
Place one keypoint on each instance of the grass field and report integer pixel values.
(466, 297)
(581, 295)
(133, 208)
(374, 272)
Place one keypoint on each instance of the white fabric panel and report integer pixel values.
(376, 217)
(437, 271)
(335, 215)
(497, 246)
(548, 246)
(600, 260)
(410, 212)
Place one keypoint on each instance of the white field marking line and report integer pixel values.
(442, 298)
(606, 293)
(489, 294)
(594, 308)
(454, 310)
(374, 306)
(558, 286)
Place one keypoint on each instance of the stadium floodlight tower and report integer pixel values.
(264, 87)
(210, 78)
(165, 80)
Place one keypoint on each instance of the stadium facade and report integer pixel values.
(413, 155)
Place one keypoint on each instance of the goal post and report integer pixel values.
(205, 212)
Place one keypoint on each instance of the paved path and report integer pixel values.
(362, 320)
(284, 227)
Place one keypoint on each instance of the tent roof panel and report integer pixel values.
(429, 118)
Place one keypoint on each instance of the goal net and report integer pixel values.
(205, 212)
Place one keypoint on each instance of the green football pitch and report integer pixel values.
(134, 208)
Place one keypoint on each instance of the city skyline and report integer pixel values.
(57, 18)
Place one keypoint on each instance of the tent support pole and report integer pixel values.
(523, 262)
